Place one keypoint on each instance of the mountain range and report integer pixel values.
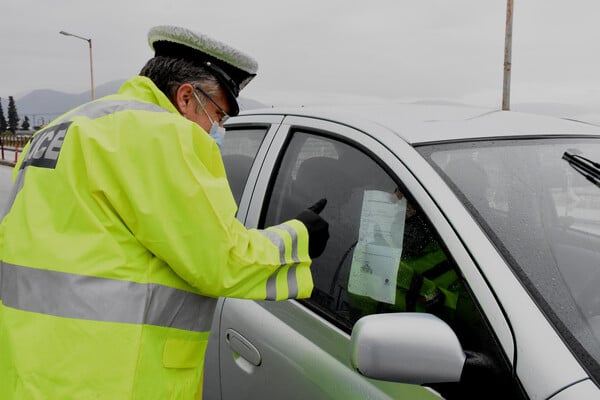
(43, 105)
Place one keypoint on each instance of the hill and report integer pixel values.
(43, 105)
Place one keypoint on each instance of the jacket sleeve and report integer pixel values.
(169, 187)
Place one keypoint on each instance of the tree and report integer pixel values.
(25, 124)
(3, 125)
(13, 117)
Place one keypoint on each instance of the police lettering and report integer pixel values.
(45, 147)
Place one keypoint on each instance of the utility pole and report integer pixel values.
(507, 56)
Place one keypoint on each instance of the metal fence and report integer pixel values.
(11, 146)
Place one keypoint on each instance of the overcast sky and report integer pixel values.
(328, 49)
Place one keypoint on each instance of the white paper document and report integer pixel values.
(376, 258)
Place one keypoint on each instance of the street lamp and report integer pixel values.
(91, 65)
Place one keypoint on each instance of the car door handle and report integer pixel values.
(242, 347)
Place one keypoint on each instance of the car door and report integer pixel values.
(301, 349)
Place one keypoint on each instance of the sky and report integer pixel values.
(319, 51)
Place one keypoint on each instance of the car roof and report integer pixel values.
(419, 123)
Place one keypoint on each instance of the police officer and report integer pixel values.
(121, 233)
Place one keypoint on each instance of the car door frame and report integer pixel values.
(252, 121)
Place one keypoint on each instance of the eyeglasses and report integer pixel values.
(223, 117)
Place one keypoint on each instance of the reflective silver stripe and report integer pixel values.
(277, 240)
(292, 282)
(101, 299)
(272, 287)
(294, 236)
(100, 108)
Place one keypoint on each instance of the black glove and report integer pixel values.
(318, 228)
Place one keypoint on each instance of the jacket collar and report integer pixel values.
(142, 88)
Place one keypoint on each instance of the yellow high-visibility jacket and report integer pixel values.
(120, 234)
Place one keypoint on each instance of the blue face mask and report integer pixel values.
(217, 133)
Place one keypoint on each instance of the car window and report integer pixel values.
(383, 254)
(239, 150)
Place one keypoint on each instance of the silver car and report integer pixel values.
(463, 262)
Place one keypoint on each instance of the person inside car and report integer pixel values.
(426, 280)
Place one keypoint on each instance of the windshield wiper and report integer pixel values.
(588, 168)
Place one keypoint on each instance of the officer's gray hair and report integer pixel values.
(170, 73)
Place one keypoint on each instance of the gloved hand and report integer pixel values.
(318, 228)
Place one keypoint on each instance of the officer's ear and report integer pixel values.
(184, 99)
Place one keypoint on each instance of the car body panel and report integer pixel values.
(584, 390)
(303, 357)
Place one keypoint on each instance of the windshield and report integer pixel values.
(543, 214)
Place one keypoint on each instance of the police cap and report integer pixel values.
(232, 68)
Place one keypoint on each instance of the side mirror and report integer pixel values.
(407, 347)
